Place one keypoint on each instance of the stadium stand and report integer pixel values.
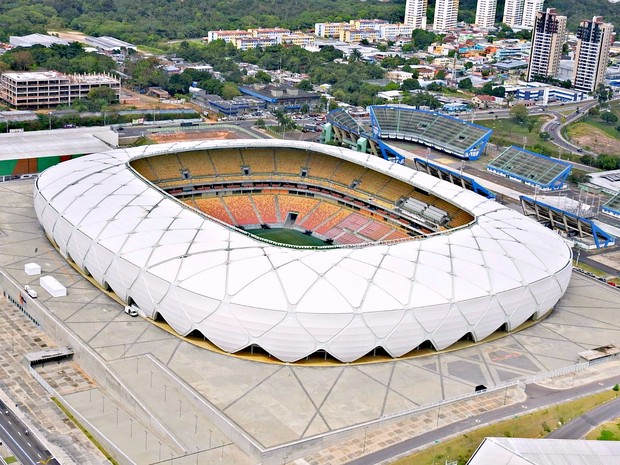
(333, 221)
(212, 206)
(612, 207)
(295, 204)
(580, 229)
(322, 167)
(394, 190)
(226, 161)
(143, 166)
(260, 160)
(375, 230)
(353, 222)
(266, 207)
(166, 166)
(445, 133)
(197, 163)
(288, 162)
(241, 209)
(346, 173)
(530, 168)
(320, 215)
(372, 182)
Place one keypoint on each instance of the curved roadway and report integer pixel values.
(537, 397)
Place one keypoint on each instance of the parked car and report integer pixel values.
(131, 311)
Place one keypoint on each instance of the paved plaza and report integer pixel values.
(272, 404)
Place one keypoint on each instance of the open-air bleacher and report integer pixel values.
(530, 168)
(612, 206)
(226, 161)
(166, 167)
(241, 209)
(319, 215)
(213, 206)
(322, 167)
(342, 119)
(266, 206)
(290, 162)
(333, 221)
(375, 230)
(143, 166)
(443, 132)
(295, 204)
(260, 160)
(197, 163)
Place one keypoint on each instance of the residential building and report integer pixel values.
(374, 24)
(446, 12)
(329, 30)
(513, 12)
(415, 13)
(357, 35)
(276, 32)
(592, 53)
(391, 31)
(227, 36)
(302, 40)
(46, 89)
(245, 43)
(547, 39)
(530, 8)
(485, 13)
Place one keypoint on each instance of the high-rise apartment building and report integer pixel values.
(415, 13)
(547, 39)
(530, 8)
(485, 13)
(446, 12)
(592, 53)
(513, 12)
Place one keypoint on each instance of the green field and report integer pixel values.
(287, 236)
(508, 132)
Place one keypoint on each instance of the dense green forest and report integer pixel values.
(151, 21)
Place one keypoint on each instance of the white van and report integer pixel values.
(31, 292)
(131, 311)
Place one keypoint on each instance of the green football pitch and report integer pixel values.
(286, 236)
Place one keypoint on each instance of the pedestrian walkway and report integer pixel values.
(17, 337)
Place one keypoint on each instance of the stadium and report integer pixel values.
(398, 260)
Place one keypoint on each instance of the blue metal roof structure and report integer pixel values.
(531, 168)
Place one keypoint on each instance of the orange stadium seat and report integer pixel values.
(290, 162)
(226, 161)
(214, 206)
(166, 166)
(375, 230)
(198, 163)
(295, 203)
(242, 210)
(143, 166)
(266, 206)
(333, 221)
(260, 160)
(322, 166)
(320, 214)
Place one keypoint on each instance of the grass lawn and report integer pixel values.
(506, 131)
(287, 236)
(612, 433)
(533, 425)
(152, 50)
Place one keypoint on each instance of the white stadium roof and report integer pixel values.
(238, 290)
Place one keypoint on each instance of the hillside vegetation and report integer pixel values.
(151, 21)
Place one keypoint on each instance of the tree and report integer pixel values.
(441, 74)
(544, 135)
(410, 84)
(468, 65)
(229, 91)
(260, 122)
(609, 117)
(519, 113)
(106, 94)
(465, 84)
(355, 55)
(422, 38)
(305, 84)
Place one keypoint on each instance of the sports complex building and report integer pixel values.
(401, 259)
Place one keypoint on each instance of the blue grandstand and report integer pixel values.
(612, 207)
(445, 133)
(531, 168)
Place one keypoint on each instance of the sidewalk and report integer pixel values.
(19, 336)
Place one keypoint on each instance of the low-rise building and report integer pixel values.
(108, 44)
(546, 93)
(36, 39)
(357, 35)
(282, 97)
(46, 89)
(227, 36)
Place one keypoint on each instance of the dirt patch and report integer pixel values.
(585, 135)
(188, 136)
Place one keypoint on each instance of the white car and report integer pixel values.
(31, 292)
(131, 311)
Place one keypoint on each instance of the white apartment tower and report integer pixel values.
(513, 12)
(547, 39)
(592, 53)
(530, 8)
(415, 13)
(446, 12)
(485, 13)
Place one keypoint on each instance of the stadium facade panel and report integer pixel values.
(238, 290)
